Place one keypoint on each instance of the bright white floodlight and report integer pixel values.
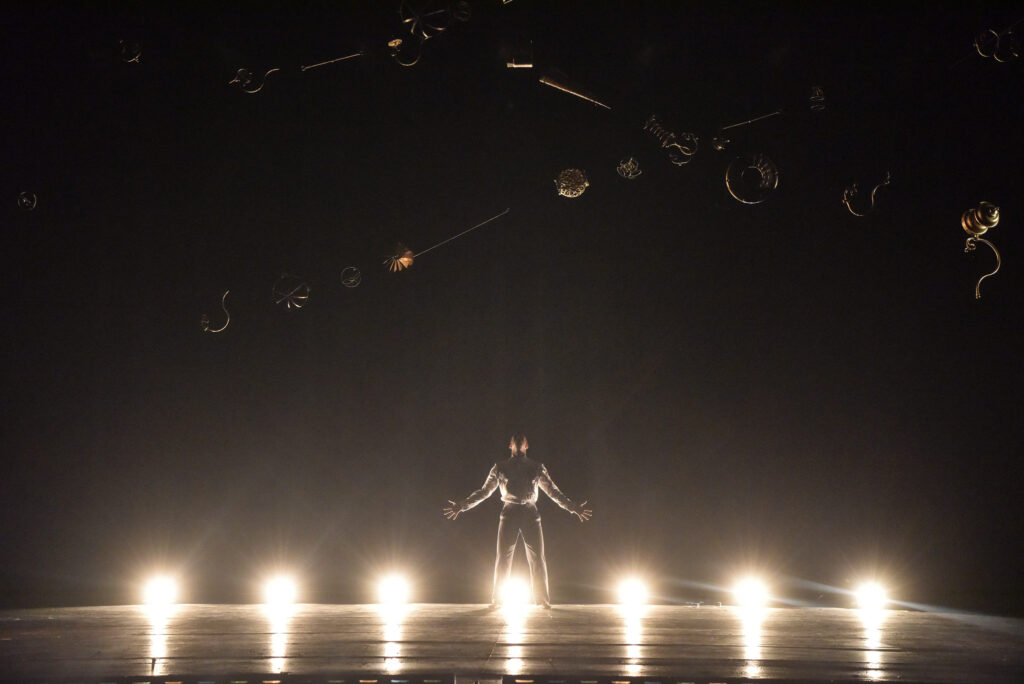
(279, 591)
(515, 593)
(160, 591)
(632, 592)
(751, 592)
(393, 590)
(871, 596)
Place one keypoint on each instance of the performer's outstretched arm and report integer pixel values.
(552, 490)
(490, 484)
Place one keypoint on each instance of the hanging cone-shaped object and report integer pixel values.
(401, 259)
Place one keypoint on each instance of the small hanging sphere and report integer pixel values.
(571, 183)
(27, 201)
(351, 276)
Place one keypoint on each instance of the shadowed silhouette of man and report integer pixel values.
(519, 479)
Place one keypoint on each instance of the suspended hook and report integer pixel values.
(404, 56)
(245, 81)
(970, 247)
(976, 222)
(852, 191)
(205, 320)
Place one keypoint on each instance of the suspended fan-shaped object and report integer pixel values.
(400, 260)
(291, 291)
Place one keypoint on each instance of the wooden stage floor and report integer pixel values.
(452, 644)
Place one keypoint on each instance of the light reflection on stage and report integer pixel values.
(632, 619)
(666, 644)
(515, 622)
(392, 617)
(872, 620)
(279, 616)
(159, 617)
(752, 623)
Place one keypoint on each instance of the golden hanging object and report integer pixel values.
(571, 183)
(976, 222)
(400, 260)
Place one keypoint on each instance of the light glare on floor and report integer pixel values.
(871, 596)
(632, 592)
(393, 590)
(280, 591)
(515, 593)
(160, 591)
(751, 592)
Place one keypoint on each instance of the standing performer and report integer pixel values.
(519, 478)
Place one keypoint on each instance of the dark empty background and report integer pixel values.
(782, 387)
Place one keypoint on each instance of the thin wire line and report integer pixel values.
(330, 61)
(744, 123)
(496, 216)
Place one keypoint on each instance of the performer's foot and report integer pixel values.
(545, 605)
(494, 606)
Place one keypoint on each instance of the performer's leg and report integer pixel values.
(533, 536)
(508, 535)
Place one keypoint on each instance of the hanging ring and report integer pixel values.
(751, 180)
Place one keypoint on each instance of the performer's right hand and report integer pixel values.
(582, 512)
(452, 511)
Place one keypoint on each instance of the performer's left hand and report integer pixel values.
(452, 512)
(582, 512)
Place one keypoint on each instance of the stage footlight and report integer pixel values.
(751, 592)
(393, 590)
(280, 591)
(871, 596)
(632, 592)
(515, 593)
(160, 591)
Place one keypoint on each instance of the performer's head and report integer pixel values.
(521, 447)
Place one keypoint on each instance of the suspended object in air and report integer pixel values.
(131, 52)
(249, 83)
(976, 222)
(751, 180)
(851, 192)
(629, 168)
(351, 276)
(403, 256)
(27, 201)
(571, 183)
(291, 291)
(204, 322)
(817, 99)
(680, 148)
(401, 259)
